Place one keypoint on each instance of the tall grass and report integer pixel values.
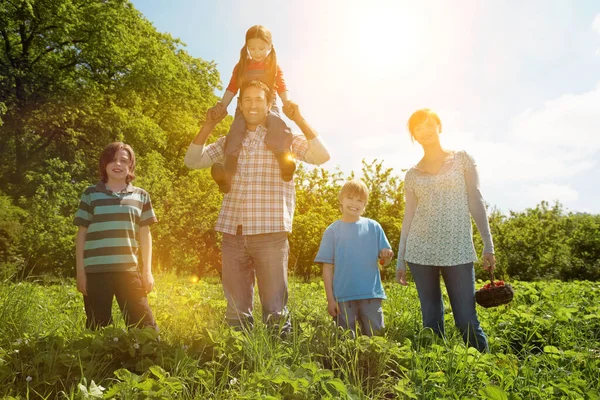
(543, 345)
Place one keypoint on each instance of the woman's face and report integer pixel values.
(427, 132)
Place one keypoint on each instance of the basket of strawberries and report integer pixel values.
(494, 293)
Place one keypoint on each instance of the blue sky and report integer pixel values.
(517, 84)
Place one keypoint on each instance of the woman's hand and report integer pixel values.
(489, 261)
(401, 277)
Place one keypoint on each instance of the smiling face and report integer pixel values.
(118, 169)
(353, 198)
(258, 49)
(427, 132)
(353, 206)
(254, 106)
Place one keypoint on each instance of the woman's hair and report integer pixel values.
(110, 153)
(262, 33)
(354, 188)
(420, 116)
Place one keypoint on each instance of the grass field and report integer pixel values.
(544, 345)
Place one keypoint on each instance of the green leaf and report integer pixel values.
(493, 393)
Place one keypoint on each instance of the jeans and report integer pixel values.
(460, 285)
(131, 297)
(368, 313)
(262, 257)
(278, 138)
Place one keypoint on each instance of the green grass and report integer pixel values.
(544, 345)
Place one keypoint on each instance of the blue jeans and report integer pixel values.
(263, 258)
(368, 313)
(278, 138)
(460, 285)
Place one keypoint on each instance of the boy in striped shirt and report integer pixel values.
(114, 219)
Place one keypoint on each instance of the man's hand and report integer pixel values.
(385, 256)
(82, 283)
(291, 110)
(216, 113)
(333, 308)
(401, 277)
(489, 262)
(147, 281)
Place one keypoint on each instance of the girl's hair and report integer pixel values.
(420, 116)
(262, 33)
(354, 188)
(110, 153)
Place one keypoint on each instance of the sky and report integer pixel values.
(516, 84)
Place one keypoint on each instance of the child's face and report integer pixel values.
(353, 205)
(258, 49)
(118, 168)
(427, 132)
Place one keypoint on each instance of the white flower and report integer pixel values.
(233, 381)
(116, 339)
(136, 346)
(29, 379)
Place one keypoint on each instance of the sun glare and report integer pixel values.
(193, 279)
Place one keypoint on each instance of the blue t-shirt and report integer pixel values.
(353, 248)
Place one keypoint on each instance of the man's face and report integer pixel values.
(254, 106)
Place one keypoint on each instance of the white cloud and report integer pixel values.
(560, 140)
(596, 24)
(550, 192)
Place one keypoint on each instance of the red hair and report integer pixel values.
(262, 33)
(109, 154)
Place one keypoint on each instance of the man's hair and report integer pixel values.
(354, 188)
(260, 85)
(110, 153)
(420, 116)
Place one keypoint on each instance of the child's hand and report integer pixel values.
(147, 281)
(82, 284)
(333, 308)
(291, 110)
(385, 256)
(216, 113)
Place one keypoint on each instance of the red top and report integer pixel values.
(257, 71)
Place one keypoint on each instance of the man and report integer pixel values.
(257, 213)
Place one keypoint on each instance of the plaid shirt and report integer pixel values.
(259, 199)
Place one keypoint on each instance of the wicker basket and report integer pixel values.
(495, 295)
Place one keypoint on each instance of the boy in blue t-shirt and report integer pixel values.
(350, 250)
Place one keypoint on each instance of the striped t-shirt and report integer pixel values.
(113, 221)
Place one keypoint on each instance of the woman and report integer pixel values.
(442, 192)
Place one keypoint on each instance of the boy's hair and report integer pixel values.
(420, 116)
(262, 33)
(110, 153)
(352, 188)
(260, 85)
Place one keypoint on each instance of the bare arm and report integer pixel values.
(317, 153)
(146, 248)
(284, 96)
(332, 306)
(227, 97)
(80, 270)
(196, 157)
